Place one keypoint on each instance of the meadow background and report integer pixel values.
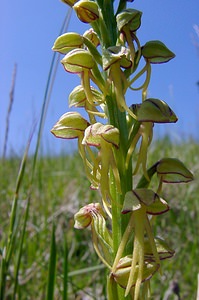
(41, 187)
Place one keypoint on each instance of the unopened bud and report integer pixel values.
(92, 36)
(87, 11)
(96, 132)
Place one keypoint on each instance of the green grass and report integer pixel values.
(58, 190)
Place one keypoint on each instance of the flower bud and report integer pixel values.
(92, 36)
(129, 17)
(91, 136)
(83, 218)
(87, 11)
(156, 52)
(71, 125)
(77, 60)
(67, 42)
(96, 132)
(154, 110)
(172, 170)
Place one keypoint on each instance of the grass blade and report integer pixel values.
(65, 278)
(9, 111)
(20, 249)
(52, 267)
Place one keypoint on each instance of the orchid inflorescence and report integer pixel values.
(109, 60)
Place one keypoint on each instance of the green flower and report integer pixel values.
(104, 137)
(78, 98)
(93, 215)
(115, 58)
(80, 61)
(128, 22)
(145, 132)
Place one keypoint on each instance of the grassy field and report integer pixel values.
(44, 242)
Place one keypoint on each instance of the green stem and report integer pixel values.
(121, 6)
(112, 289)
(109, 22)
(119, 221)
(118, 119)
(116, 216)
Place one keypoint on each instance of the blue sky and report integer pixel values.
(27, 32)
